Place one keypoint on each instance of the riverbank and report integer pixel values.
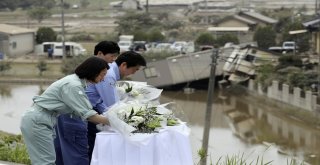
(24, 69)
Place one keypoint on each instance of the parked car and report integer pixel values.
(138, 46)
(183, 47)
(179, 46)
(205, 47)
(276, 49)
(163, 46)
(289, 46)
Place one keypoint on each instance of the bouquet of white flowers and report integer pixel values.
(133, 90)
(134, 117)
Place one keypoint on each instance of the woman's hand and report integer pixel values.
(99, 119)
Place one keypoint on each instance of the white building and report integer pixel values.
(15, 41)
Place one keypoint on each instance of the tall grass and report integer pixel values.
(240, 160)
(13, 149)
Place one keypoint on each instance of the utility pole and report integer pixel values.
(206, 12)
(147, 6)
(206, 131)
(62, 33)
(316, 8)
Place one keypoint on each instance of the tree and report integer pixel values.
(156, 36)
(265, 37)
(205, 39)
(172, 24)
(85, 3)
(25, 4)
(140, 36)
(39, 13)
(225, 38)
(265, 75)
(42, 66)
(49, 4)
(45, 34)
(132, 22)
(9, 4)
(4, 66)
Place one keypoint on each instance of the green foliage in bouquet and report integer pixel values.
(172, 122)
(129, 89)
(151, 120)
(146, 119)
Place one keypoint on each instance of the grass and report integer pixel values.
(240, 160)
(12, 149)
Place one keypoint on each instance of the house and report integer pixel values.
(260, 19)
(15, 41)
(242, 63)
(241, 32)
(313, 26)
(236, 21)
(248, 19)
(242, 24)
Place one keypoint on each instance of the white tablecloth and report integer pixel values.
(166, 147)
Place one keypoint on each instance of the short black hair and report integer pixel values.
(91, 68)
(131, 58)
(106, 47)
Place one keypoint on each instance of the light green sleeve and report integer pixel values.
(75, 98)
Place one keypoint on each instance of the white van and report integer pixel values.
(71, 49)
(124, 45)
(289, 46)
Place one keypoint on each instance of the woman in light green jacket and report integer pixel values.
(65, 96)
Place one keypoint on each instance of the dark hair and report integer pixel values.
(106, 47)
(131, 58)
(91, 68)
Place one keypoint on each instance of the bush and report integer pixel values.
(4, 66)
(222, 40)
(45, 34)
(42, 66)
(156, 36)
(205, 39)
(13, 149)
(289, 60)
(265, 41)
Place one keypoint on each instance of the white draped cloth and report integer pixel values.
(170, 146)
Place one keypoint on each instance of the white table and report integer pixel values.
(166, 147)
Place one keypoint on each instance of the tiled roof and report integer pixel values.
(260, 17)
(248, 21)
(314, 22)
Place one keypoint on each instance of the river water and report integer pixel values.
(238, 128)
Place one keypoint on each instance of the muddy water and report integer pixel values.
(238, 128)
